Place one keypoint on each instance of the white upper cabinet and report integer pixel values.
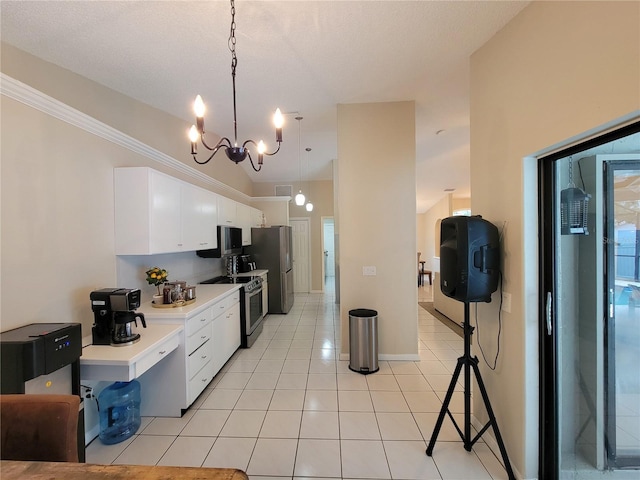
(256, 218)
(227, 214)
(199, 218)
(156, 213)
(244, 222)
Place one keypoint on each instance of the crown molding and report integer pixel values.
(27, 95)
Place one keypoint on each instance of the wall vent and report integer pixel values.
(284, 190)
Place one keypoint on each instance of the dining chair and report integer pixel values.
(39, 427)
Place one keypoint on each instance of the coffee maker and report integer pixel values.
(113, 310)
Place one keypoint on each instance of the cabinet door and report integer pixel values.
(232, 329)
(165, 233)
(256, 217)
(243, 213)
(218, 335)
(226, 211)
(199, 218)
(209, 219)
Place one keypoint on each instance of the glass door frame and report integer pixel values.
(610, 166)
(548, 211)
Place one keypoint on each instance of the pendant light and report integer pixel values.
(299, 198)
(309, 205)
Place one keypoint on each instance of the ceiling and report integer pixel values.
(305, 57)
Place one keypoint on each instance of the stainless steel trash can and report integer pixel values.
(363, 341)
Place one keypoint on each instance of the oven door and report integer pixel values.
(253, 306)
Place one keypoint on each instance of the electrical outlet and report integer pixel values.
(368, 271)
(506, 302)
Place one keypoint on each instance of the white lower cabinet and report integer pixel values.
(211, 336)
(226, 328)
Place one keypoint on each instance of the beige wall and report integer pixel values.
(557, 70)
(377, 222)
(149, 125)
(460, 203)
(57, 195)
(430, 221)
(320, 193)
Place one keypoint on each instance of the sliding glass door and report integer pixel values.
(589, 332)
(623, 324)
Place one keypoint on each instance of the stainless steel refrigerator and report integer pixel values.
(271, 248)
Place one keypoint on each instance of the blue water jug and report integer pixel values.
(119, 407)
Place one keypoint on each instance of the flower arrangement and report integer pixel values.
(157, 276)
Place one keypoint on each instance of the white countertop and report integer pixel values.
(124, 363)
(126, 355)
(205, 296)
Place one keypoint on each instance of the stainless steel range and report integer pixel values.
(251, 309)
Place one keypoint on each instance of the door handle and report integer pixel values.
(548, 313)
(612, 297)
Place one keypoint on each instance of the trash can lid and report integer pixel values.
(363, 312)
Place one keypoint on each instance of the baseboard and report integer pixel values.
(407, 357)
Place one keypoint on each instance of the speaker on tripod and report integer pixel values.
(469, 272)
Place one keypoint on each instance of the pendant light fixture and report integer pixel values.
(309, 205)
(234, 152)
(299, 198)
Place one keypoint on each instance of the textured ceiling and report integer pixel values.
(305, 57)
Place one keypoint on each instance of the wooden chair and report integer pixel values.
(39, 427)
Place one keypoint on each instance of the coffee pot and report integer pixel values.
(122, 332)
(113, 310)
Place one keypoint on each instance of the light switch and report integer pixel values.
(506, 302)
(368, 271)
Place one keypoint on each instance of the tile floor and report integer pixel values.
(289, 408)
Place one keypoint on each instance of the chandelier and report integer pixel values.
(234, 152)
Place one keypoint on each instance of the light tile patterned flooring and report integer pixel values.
(289, 408)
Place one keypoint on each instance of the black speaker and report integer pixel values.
(469, 258)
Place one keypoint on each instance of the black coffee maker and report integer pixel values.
(113, 316)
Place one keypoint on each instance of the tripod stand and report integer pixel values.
(469, 362)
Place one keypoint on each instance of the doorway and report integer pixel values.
(588, 427)
(329, 254)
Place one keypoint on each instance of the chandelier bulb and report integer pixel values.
(261, 147)
(300, 198)
(193, 134)
(278, 118)
(198, 107)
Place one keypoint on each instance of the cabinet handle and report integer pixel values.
(205, 379)
(203, 357)
(162, 352)
(179, 244)
(203, 336)
(203, 319)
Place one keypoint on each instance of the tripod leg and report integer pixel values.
(445, 406)
(492, 420)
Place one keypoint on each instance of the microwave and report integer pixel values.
(229, 243)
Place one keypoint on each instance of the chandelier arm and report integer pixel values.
(195, 158)
(224, 141)
(277, 150)
(251, 159)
